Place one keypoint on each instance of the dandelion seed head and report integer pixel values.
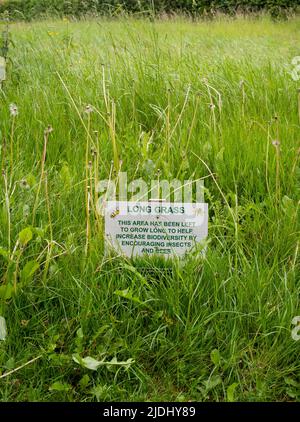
(276, 143)
(13, 109)
(24, 184)
(48, 130)
(89, 109)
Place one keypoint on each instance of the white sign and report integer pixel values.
(2, 69)
(155, 228)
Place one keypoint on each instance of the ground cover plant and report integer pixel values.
(176, 98)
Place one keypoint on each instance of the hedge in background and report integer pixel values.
(28, 9)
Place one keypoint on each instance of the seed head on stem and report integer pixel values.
(13, 109)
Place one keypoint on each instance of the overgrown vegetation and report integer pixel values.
(213, 328)
(28, 9)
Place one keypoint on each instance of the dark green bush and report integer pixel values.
(28, 9)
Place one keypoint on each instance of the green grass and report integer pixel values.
(193, 328)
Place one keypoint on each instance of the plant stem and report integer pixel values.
(46, 137)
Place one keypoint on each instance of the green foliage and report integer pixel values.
(230, 391)
(25, 236)
(28, 9)
(28, 271)
(93, 364)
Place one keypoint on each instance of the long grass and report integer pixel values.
(212, 100)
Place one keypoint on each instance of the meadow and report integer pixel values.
(203, 99)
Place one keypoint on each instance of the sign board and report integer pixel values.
(155, 228)
(2, 69)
